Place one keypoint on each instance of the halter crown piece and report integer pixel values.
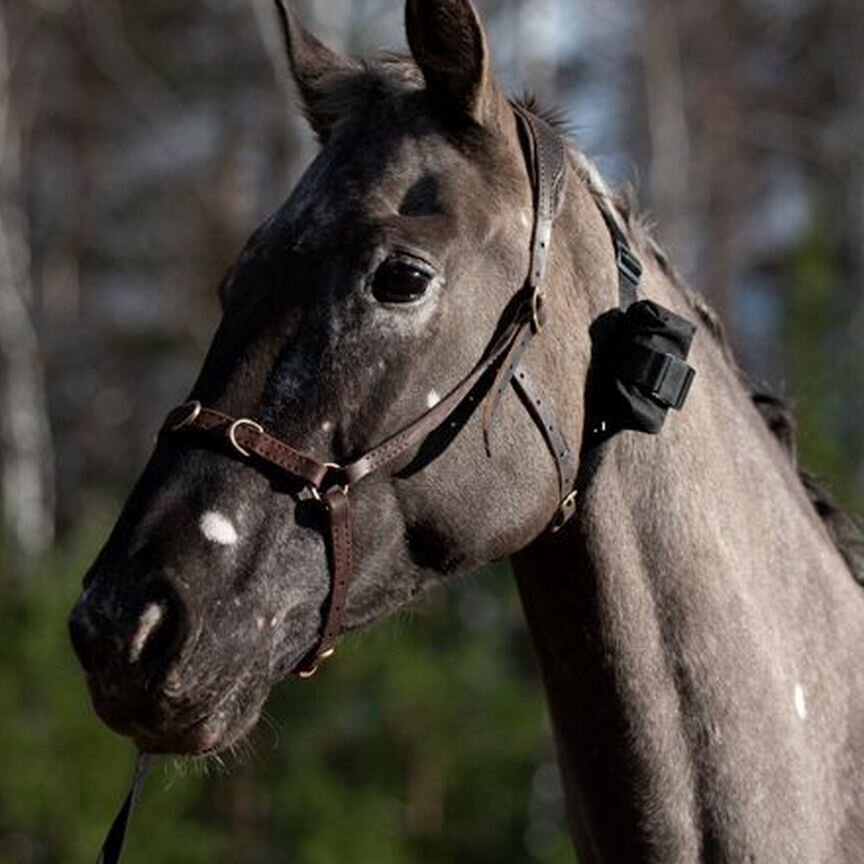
(644, 375)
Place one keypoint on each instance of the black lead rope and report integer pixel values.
(112, 848)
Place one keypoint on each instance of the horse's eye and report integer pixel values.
(400, 281)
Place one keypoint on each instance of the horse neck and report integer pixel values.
(699, 638)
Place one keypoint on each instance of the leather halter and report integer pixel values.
(329, 483)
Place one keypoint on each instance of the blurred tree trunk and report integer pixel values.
(851, 60)
(669, 167)
(720, 29)
(849, 21)
(26, 458)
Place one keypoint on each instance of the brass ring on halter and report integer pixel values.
(232, 434)
(306, 674)
(187, 413)
(342, 488)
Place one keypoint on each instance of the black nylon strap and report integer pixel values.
(629, 266)
(112, 848)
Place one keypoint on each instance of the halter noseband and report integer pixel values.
(329, 483)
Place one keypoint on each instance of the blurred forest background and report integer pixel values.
(139, 145)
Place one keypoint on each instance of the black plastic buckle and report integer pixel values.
(628, 264)
(672, 381)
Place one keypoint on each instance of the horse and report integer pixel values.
(453, 345)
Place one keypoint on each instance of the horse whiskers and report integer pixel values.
(200, 765)
(242, 752)
(272, 725)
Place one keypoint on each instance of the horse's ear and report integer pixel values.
(312, 64)
(449, 45)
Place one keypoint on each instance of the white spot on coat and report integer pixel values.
(327, 426)
(432, 399)
(800, 702)
(148, 622)
(218, 528)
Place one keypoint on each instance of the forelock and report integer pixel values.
(373, 89)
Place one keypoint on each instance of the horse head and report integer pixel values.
(395, 282)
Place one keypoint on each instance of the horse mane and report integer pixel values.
(843, 529)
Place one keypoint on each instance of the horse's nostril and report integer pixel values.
(137, 641)
(160, 631)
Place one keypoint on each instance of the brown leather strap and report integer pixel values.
(513, 372)
(547, 162)
(247, 437)
(546, 159)
(396, 445)
(502, 381)
(338, 507)
(341, 548)
(547, 421)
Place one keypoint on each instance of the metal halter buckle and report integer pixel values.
(312, 671)
(186, 415)
(232, 434)
(564, 512)
(628, 264)
(538, 313)
(342, 488)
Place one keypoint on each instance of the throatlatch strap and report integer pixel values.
(112, 848)
(513, 372)
(546, 420)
